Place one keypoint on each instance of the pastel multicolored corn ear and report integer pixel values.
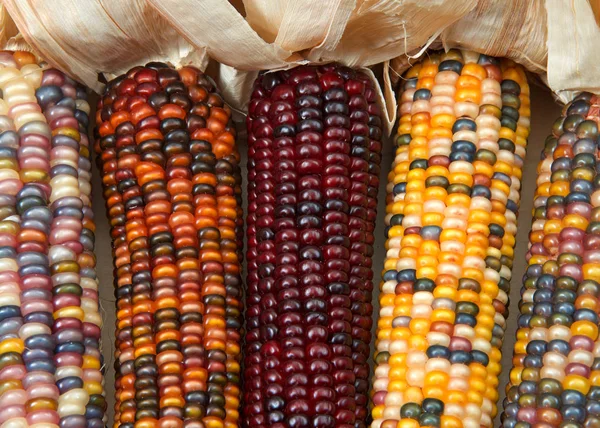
(453, 197)
(555, 379)
(49, 313)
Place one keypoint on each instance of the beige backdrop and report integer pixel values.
(544, 112)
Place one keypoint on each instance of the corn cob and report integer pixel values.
(313, 173)
(166, 150)
(555, 379)
(49, 315)
(453, 197)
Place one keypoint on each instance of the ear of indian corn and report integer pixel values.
(313, 165)
(453, 196)
(166, 150)
(555, 379)
(49, 312)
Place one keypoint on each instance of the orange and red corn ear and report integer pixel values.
(50, 324)
(170, 168)
(314, 145)
(555, 379)
(453, 197)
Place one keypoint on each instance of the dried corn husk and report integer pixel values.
(107, 37)
(555, 39)
(573, 49)
(85, 38)
(88, 38)
(504, 29)
(10, 37)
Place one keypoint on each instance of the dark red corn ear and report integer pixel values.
(313, 173)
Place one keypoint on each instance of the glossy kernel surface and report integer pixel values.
(452, 201)
(314, 150)
(554, 378)
(50, 323)
(166, 150)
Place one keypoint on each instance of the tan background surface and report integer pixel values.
(544, 112)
